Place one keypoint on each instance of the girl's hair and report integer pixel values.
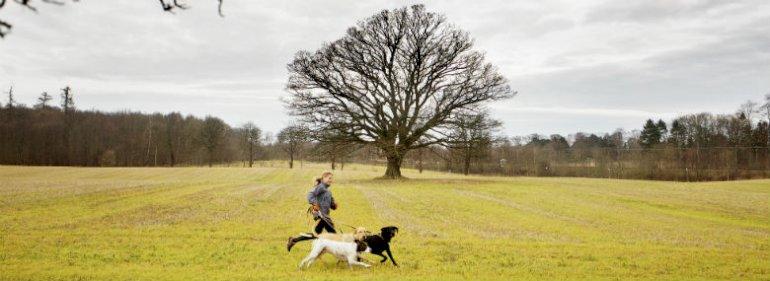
(323, 175)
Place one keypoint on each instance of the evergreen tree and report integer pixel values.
(651, 134)
(663, 129)
(678, 134)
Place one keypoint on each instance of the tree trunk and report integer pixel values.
(467, 163)
(394, 167)
(155, 157)
(334, 163)
(251, 155)
(291, 161)
(419, 163)
(172, 157)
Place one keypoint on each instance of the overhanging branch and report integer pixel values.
(167, 6)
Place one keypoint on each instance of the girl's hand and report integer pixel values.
(334, 206)
(316, 208)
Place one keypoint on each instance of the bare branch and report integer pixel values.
(166, 5)
(5, 28)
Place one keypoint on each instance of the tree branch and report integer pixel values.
(166, 5)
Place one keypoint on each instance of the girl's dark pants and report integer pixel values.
(322, 224)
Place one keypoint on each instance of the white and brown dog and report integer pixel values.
(345, 247)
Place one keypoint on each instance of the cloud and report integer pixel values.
(605, 112)
(657, 10)
(578, 65)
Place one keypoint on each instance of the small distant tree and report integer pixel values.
(251, 138)
(760, 135)
(558, 143)
(11, 101)
(335, 151)
(292, 140)
(68, 106)
(43, 100)
(67, 101)
(617, 139)
(749, 110)
(766, 112)
(472, 136)
(212, 135)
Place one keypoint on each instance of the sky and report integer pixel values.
(590, 66)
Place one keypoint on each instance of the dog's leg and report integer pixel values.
(309, 260)
(384, 258)
(352, 261)
(312, 256)
(362, 259)
(390, 255)
(306, 260)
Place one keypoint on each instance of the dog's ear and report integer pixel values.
(389, 231)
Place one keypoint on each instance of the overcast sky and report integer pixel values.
(588, 66)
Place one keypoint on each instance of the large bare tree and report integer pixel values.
(395, 80)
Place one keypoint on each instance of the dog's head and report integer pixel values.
(360, 233)
(388, 232)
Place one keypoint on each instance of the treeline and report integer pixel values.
(693, 147)
(47, 134)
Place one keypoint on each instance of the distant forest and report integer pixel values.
(692, 147)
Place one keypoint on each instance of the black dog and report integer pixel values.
(381, 242)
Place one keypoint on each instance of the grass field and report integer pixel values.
(232, 224)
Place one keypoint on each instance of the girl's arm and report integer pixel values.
(312, 196)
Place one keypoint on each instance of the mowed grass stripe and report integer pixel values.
(69, 210)
(460, 214)
(618, 219)
(744, 198)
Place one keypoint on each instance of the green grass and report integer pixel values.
(232, 224)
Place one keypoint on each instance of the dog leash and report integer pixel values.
(328, 220)
(323, 217)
